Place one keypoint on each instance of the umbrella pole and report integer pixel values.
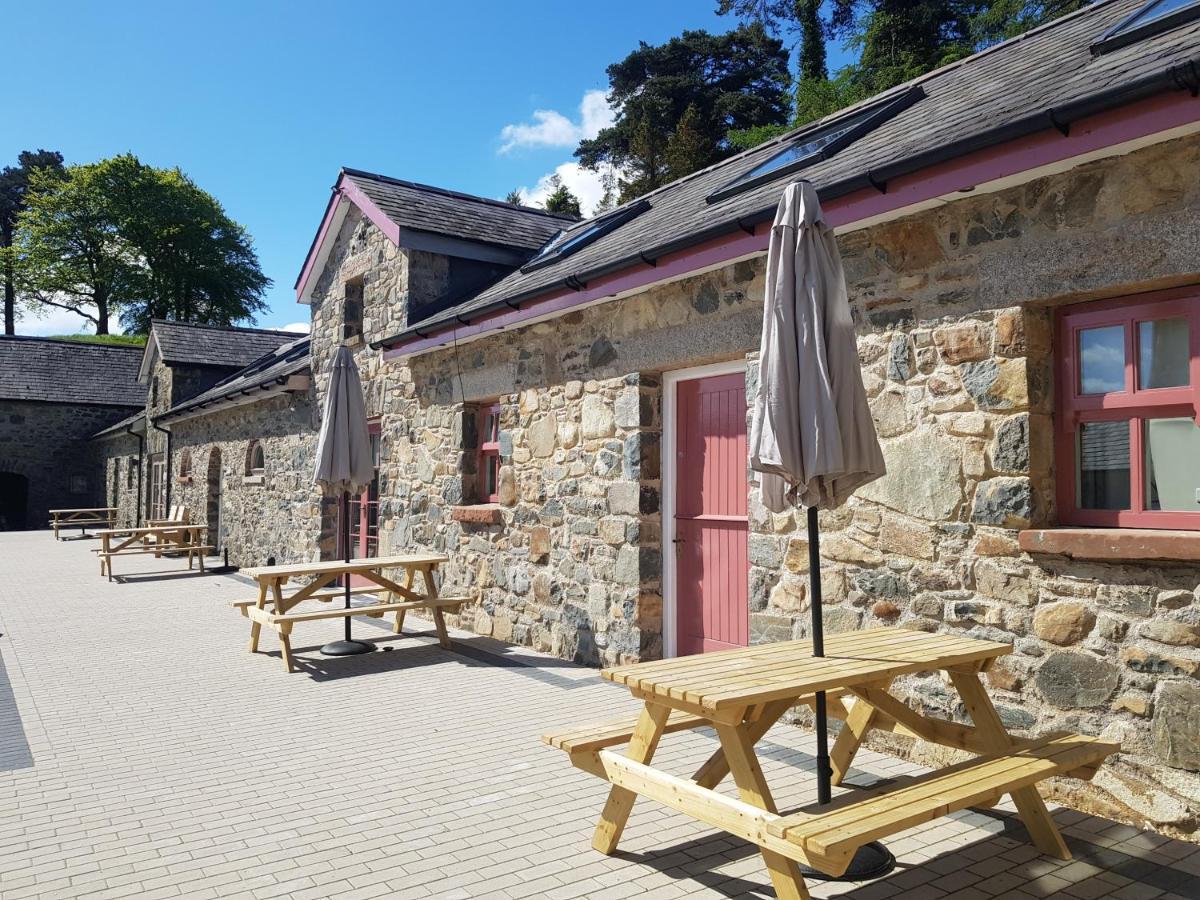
(870, 860)
(824, 770)
(347, 646)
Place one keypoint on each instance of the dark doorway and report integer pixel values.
(14, 502)
(213, 513)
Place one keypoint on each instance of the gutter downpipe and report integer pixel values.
(1182, 76)
(137, 523)
(167, 469)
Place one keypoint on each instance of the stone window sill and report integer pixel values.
(184, 479)
(254, 479)
(478, 514)
(1112, 543)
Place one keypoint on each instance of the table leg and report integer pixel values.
(256, 627)
(285, 644)
(1029, 803)
(752, 788)
(716, 767)
(408, 583)
(439, 621)
(619, 805)
(200, 559)
(860, 720)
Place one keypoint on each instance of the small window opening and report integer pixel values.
(488, 457)
(255, 459)
(352, 324)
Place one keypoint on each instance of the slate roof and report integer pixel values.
(1002, 93)
(119, 427)
(214, 345)
(422, 207)
(283, 361)
(57, 371)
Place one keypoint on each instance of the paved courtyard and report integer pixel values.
(145, 753)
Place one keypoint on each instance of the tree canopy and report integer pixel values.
(677, 102)
(895, 41)
(14, 184)
(121, 237)
(561, 200)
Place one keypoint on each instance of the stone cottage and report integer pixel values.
(54, 394)
(561, 407)
(226, 432)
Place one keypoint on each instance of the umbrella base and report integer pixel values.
(871, 861)
(347, 648)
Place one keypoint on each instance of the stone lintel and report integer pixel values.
(479, 514)
(1112, 543)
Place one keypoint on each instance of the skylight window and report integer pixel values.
(568, 242)
(1153, 18)
(820, 143)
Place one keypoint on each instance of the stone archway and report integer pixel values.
(213, 511)
(14, 502)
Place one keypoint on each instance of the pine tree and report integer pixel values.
(560, 199)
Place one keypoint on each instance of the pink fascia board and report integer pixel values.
(1004, 160)
(345, 189)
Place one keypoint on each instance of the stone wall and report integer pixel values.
(274, 514)
(46, 443)
(124, 484)
(953, 307)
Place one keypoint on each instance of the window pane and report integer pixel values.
(1103, 465)
(1172, 472)
(1102, 359)
(1163, 353)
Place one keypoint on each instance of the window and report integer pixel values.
(352, 317)
(488, 461)
(154, 392)
(815, 144)
(567, 242)
(255, 459)
(1128, 437)
(130, 468)
(1152, 18)
(116, 479)
(185, 465)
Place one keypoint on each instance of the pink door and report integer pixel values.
(711, 565)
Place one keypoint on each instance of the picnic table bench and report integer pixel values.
(156, 539)
(82, 518)
(741, 693)
(399, 597)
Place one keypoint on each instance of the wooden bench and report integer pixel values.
(82, 518)
(283, 622)
(192, 551)
(324, 596)
(830, 837)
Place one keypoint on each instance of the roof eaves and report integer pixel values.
(1174, 77)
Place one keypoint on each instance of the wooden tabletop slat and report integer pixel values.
(88, 509)
(291, 570)
(150, 530)
(766, 672)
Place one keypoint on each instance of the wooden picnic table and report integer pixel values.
(400, 597)
(82, 518)
(741, 693)
(158, 539)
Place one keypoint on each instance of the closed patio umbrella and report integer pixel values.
(812, 436)
(344, 462)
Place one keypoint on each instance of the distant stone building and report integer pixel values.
(54, 395)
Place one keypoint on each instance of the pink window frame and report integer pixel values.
(1132, 403)
(489, 450)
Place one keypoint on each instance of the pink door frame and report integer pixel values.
(671, 581)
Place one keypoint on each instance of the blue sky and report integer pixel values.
(261, 103)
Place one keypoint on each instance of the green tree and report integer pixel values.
(687, 150)
(14, 184)
(560, 199)
(514, 197)
(896, 41)
(734, 81)
(119, 237)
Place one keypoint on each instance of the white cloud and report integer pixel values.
(298, 327)
(583, 183)
(53, 320)
(550, 128)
